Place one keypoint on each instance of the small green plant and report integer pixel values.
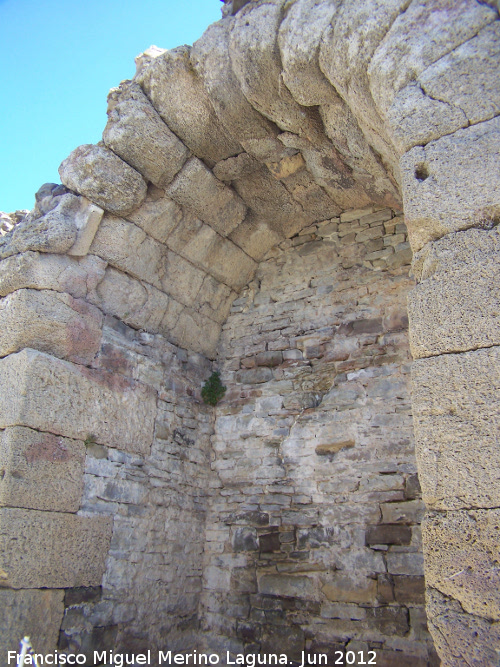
(89, 440)
(213, 389)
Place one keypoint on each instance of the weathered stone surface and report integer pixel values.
(52, 272)
(33, 613)
(158, 215)
(53, 395)
(137, 134)
(341, 588)
(100, 175)
(387, 534)
(51, 549)
(255, 237)
(452, 183)
(218, 256)
(41, 471)
(334, 447)
(55, 231)
(456, 427)
(87, 219)
(455, 307)
(178, 95)
(461, 639)
(211, 60)
(215, 203)
(299, 38)
(407, 50)
(287, 586)
(52, 322)
(461, 550)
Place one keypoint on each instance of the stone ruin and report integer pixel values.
(275, 202)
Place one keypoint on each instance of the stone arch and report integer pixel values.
(281, 116)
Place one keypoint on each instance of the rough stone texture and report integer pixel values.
(51, 549)
(462, 639)
(158, 215)
(52, 272)
(53, 395)
(137, 134)
(315, 510)
(87, 220)
(456, 418)
(41, 471)
(407, 49)
(52, 322)
(33, 613)
(215, 203)
(100, 175)
(462, 550)
(452, 183)
(54, 231)
(456, 305)
(178, 95)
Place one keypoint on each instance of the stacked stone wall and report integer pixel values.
(313, 537)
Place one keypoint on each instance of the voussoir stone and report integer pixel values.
(52, 549)
(52, 395)
(41, 471)
(97, 173)
(452, 183)
(461, 550)
(33, 613)
(137, 134)
(52, 322)
(456, 419)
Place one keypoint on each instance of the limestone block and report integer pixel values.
(297, 586)
(52, 272)
(211, 60)
(178, 95)
(345, 53)
(51, 549)
(56, 231)
(41, 471)
(158, 215)
(33, 613)
(407, 50)
(220, 257)
(87, 220)
(101, 176)
(457, 90)
(214, 299)
(460, 638)
(137, 134)
(48, 394)
(196, 332)
(456, 416)
(452, 183)
(461, 551)
(215, 203)
(299, 38)
(255, 237)
(52, 322)
(455, 307)
(342, 588)
(257, 66)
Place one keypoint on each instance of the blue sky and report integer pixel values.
(59, 58)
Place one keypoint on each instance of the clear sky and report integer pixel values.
(59, 58)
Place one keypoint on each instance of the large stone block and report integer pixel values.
(284, 585)
(52, 322)
(452, 183)
(52, 550)
(461, 551)
(214, 202)
(178, 95)
(100, 175)
(435, 105)
(52, 272)
(211, 60)
(455, 307)
(138, 135)
(456, 416)
(461, 638)
(158, 215)
(33, 613)
(48, 394)
(407, 49)
(41, 471)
